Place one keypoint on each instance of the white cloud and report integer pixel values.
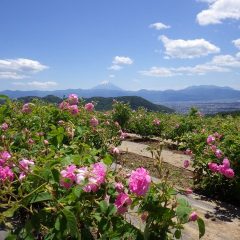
(115, 67)
(207, 1)
(158, 72)
(111, 76)
(220, 63)
(159, 26)
(226, 61)
(19, 68)
(11, 75)
(37, 84)
(236, 42)
(120, 60)
(180, 48)
(218, 11)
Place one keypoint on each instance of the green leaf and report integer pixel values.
(108, 159)
(10, 212)
(71, 223)
(177, 234)
(112, 209)
(40, 197)
(103, 206)
(201, 227)
(56, 175)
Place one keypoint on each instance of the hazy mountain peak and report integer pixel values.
(106, 85)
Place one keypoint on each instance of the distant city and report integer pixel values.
(204, 107)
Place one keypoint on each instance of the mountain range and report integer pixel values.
(202, 93)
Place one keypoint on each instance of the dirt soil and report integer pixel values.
(179, 177)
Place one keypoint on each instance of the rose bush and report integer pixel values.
(58, 179)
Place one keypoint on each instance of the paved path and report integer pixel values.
(222, 220)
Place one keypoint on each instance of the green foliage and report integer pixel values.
(37, 205)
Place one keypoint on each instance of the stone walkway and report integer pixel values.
(222, 220)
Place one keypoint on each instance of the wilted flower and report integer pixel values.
(94, 122)
(115, 151)
(188, 152)
(193, 216)
(122, 202)
(25, 163)
(139, 181)
(218, 153)
(186, 163)
(119, 186)
(123, 135)
(27, 107)
(156, 122)
(4, 126)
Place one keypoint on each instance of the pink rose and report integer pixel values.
(210, 139)
(139, 181)
(96, 177)
(89, 107)
(6, 174)
(213, 167)
(68, 176)
(73, 99)
(73, 109)
(229, 173)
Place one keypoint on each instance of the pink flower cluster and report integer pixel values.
(5, 172)
(139, 181)
(4, 156)
(223, 169)
(95, 176)
(70, 104)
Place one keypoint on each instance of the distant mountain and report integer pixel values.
(107, 86)
(105, 104)
(202, 93)
(134, 102)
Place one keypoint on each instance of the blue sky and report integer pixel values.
(151, 44)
